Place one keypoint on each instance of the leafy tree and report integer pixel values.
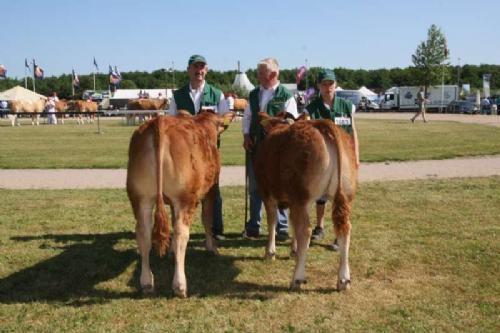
(430, 58)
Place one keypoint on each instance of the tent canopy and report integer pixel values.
(19, 93)
(366, 92)
(241, 81)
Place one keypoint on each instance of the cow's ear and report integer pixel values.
(228, 118)
(304, 116)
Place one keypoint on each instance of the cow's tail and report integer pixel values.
(161, 230)
(341, 204)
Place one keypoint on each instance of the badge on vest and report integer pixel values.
(211, 108)
(342, 121)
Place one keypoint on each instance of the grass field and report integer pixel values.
(425, 256)
(73, 146)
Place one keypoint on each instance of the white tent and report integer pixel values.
(339, 88)
(241, 81)
(366, 92)
(20, 94)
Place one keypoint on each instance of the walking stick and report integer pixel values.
(246, 189)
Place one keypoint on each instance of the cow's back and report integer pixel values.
(191, 162)
(301, 162)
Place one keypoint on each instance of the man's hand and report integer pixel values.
(247, 142)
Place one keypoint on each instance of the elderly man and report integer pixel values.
(195, 96)
(270, 97)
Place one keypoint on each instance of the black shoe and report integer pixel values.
(317, 234)
(250, 234)
(335, 245)
(281, 236)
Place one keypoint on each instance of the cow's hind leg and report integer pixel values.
(341, 219)
(183, 220)
(302, 235)
(271, 215)
(207, 217)
(143, 230)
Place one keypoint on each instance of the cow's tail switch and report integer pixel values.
(161, 231)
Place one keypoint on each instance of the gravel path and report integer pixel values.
(369, 172)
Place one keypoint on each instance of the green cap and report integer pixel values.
(326, 75)
(196, 58)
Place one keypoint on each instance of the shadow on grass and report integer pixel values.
(73, 276)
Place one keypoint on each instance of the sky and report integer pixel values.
(147, 35)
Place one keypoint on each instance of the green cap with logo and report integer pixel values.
(326, 75)
(196, 58)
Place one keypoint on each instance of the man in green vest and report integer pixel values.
(194, 97)
(341, 111)
(270, 97)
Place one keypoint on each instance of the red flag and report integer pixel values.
(301, 72)
(3, 71)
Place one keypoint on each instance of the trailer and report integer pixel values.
(405, 98)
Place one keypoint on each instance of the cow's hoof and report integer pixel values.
(148, 290)
(293, 254)
(343, 285)
(214, 251)
(297, 284)
(270, 256)
(181, 293)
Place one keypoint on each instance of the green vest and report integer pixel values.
(274, 106)
(210, 97)
(340, 112)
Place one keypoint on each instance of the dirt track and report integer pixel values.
(106, 178)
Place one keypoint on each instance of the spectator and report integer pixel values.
(270, 97)
(421, 101)
(195, 96)
(341, 111)
(51, 109)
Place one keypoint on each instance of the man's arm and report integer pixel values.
(245, 124)
(291, 107)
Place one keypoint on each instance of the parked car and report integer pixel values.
(460, 106)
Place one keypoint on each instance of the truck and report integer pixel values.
(405, 98)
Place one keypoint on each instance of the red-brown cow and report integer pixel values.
(173, 160)
(297, 164)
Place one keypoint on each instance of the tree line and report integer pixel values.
(377, 80)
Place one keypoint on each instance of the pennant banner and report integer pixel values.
(301, 72)
(76, 81)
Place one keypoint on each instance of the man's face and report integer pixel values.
(197, 71)
(266, 78)
(327, 87)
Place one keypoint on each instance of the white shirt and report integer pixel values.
(195, 95)
(265, 96)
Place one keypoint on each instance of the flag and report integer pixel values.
(96, 66)
(114, 76)
(76, 81)
(26, 65)
(445, 51)
(37, 70)
(301, 72)
(3, 71)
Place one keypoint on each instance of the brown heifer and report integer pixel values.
(173, 160)
(297, 164)
(61, 106)
(145, 104)
(85, 106)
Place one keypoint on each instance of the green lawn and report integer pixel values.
(424, 257)
(80, 146)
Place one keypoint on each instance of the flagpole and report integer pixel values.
(94, 80)
(25, 78)
(306, 76)
(34, 88)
